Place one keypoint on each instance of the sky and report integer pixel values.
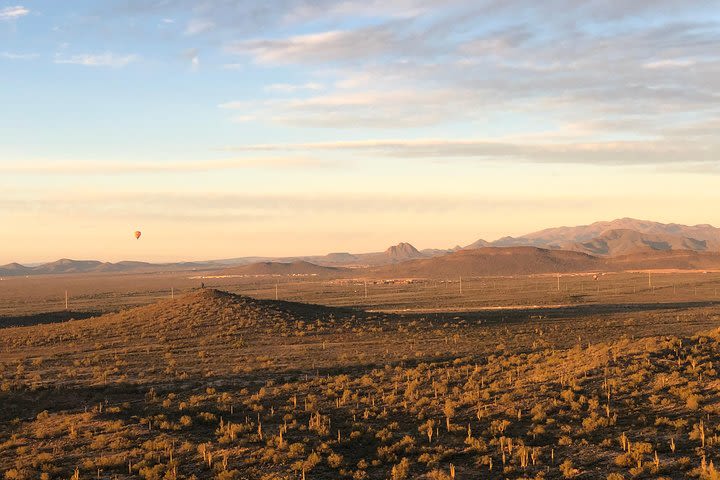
(224, 128)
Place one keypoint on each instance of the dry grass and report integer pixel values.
(213, 385)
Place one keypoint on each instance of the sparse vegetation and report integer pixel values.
(213, 385)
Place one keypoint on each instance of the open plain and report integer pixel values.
(535, 376)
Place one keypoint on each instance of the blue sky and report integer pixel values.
(229, 128)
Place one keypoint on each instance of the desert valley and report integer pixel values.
(518, 359)
(359, 240)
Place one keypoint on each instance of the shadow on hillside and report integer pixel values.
(26, 404)
(43, 318)
(569, 311)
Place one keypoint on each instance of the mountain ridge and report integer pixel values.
(622, 236)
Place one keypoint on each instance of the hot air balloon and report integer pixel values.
(137, 234)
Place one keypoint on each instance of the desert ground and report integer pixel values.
(150, 376)
(102, 293)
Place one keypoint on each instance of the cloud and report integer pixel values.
(517, 74)
(292, 88)
(197, 26)
(219, 207)
(443, 68)
(257, 16)
(374, 109)
(670, 63)
(234, 105)
(137, 168)
(243, 118)
(97, 60)
(193, 56)
(330, 46)
(613, 153)
(18, 56)
(12, 13)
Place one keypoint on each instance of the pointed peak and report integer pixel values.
(403, 250)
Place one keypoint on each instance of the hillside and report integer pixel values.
(215, 385)
(666, 260)
(213, 321)
(402, 251)
(557, 237)
(619, 237)
(478, 244)
(298, 268)
(494, 261)
(626, 242)
(505, 261)
(13, 269)
(65, 265)
(395, 253)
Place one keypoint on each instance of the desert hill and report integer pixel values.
(506, 261)
(478, 244)
(626, 242)
(203, 330)
(284, 268)
(12, 269)
(65, 265)
(395, 253)
(403, 251)
(665, 260)
(224, 386)
(326, 265)
(494, 261)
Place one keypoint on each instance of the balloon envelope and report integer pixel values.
(137, 234)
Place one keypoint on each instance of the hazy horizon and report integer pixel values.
(228, 129)
(299, 254)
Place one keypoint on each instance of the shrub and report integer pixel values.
(567, 469)
(401, 471)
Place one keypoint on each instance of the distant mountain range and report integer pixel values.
(624, 236)
(67, 266)
(598, 246)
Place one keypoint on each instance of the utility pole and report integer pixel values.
(558, 280)
(276, 290)
(66, 300)
(172, 292)
(649, 280)
(461, 286)
(365, 288)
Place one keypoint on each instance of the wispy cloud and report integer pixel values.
(141, 168)
(328, 46)
(365, 108)
(18, 56)
(197, 26)
(12, 13)
(670, 63)
(617, 153)
(193, 56)
(210, 206)
(234, 105)
(97, 60)
(292, 88)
